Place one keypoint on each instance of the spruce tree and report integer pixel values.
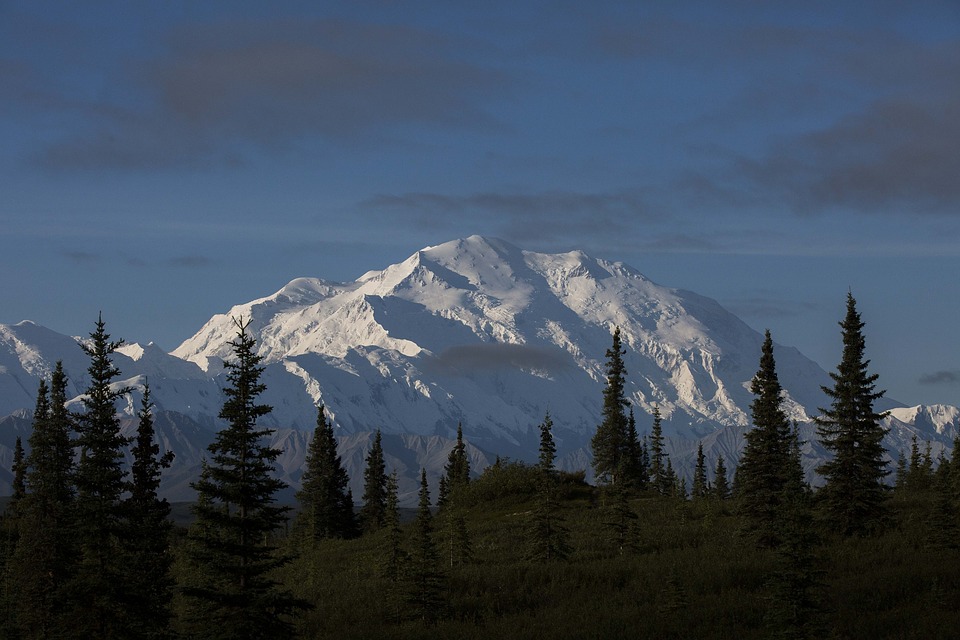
(914, 481)
(19, 469)
(425, 595)
(547, 538)
(620, 519)
(548, 450)
(852, 499)
(955, 466)
(661, 480)
(721, 488)
(637, 471)
(373, 511)
(700, 488)
(326, 504)
(456, 473)
(46, 557)
(794, 588)
(232, 593)
(900, 480)
(459, 540)
(147, 555)
(100, 583)
(395, 559)
(609, 443)
(765, 462)
(941, 522)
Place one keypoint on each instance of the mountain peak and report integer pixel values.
(474, 331)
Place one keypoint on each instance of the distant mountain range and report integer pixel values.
(475, 332)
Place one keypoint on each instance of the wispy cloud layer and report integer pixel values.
(941, 377)
(217, 89)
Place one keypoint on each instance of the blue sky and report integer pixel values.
(164, 161)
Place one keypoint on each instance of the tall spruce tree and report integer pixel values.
(762, 474)
(394, 559)
(373, 513)
(620, 519)
(700, 484)
(548, 539)
(609, 443)
(548, 449)
(636, 471)
(100, 583)
(326, 504)
(853, 497)
(46, 557)
(232, 593)
(425, 594)
(11, 531)
(456, 473)
(19, 469)
(661, 480)
(721, 487)
(147, 542)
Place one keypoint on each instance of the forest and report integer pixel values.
(88, 549)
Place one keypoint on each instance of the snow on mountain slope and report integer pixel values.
(477, 330)
(474, 331)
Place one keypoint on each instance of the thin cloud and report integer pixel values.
(940, 377)
(896, 156)
(547, 215)
(891, 147)
(272, 84)
(83, 257)
(769, 307)
(465, 359)
(190, 262)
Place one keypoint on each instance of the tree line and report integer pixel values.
(88, 548)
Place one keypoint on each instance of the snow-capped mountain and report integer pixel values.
(474, 331)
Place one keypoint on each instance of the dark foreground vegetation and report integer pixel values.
(89, 550)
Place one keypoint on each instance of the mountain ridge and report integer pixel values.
(476, 332)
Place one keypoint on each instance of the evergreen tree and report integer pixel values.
(762, 473)
(456, 477)
(914, 481)
(233, 594)
(680, 485)
(636, 473)
(721, 489)
(459, 541)
(456, 473)
(955, 466)
(610, 440)
(101, 581)
(661, 480)
(547, 537)
(620, 519)
(548, 450)
(326, 504)
(700, 488)
(794, 609)
(941, 523)
(425, 595)
(671, 483)
(373, 512)
(46, 557)
(395, 559)
(147, 541)
(852, 498)
(900, 482)
(19, 469)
